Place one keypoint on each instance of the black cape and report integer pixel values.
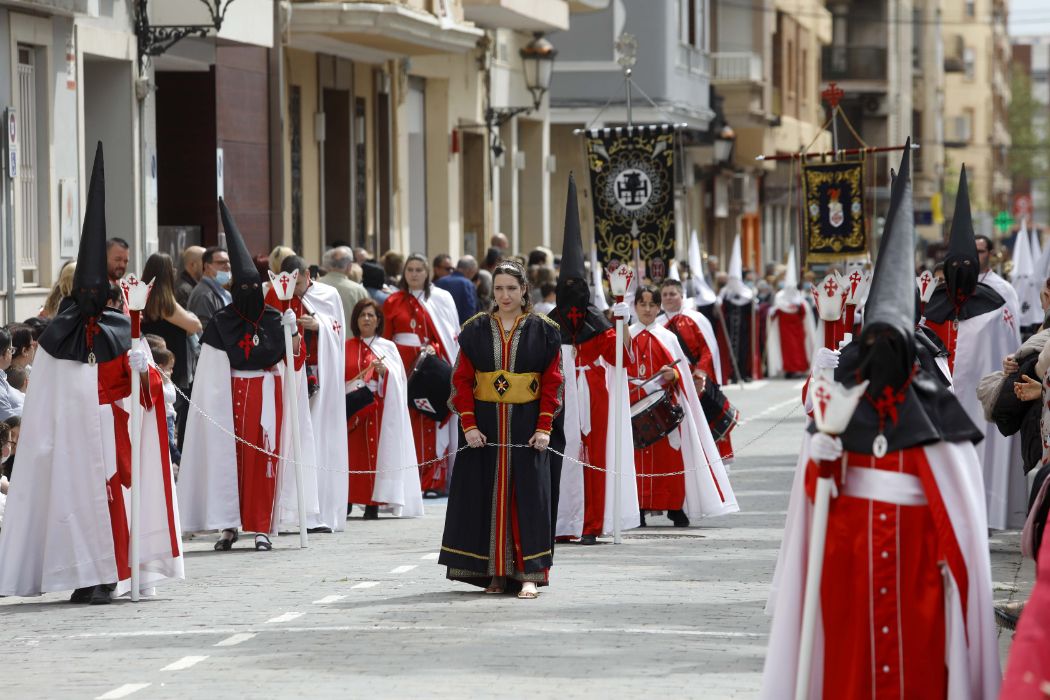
(984, 299)
(467, 546)
(738, 327)
(65, 337)
(929, 413)
(227, 331)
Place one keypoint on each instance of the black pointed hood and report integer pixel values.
(246, 287)
(578, 318)
(572, 244)
(91, 278)
(891, 299)
(961, 265)
(86, 330)
(248, 330)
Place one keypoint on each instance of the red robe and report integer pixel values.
(362, 429)
(882, 595)
(256, 472)
(792, 339)
(403, 313)
(665, 492)
(692, 337)
(588, 354)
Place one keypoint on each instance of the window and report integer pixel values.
(962, 127)
(692, 23)
(969, 62)
(296, 132)
(27, 208)
(917, 27)
(804, 73)
(790, 66)
(971, 8)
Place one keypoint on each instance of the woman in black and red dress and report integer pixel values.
(506, 389)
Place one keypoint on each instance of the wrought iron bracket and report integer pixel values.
(155, 40)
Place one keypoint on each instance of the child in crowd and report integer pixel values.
(165, 360)
(18, 379)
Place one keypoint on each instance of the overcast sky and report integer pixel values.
(1029, 17)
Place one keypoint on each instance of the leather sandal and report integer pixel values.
(262, 543)
(225, 544)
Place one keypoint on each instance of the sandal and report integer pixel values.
(496, 588)
(225, 544)
(262, 543)
(528, 594)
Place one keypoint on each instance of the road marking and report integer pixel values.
(754, 494)
(430, 557)
(184, 663)
(775, 407)
(235, 639)
(329, 599)
(421, 628)
(286, 617)
(747, 386)
(123, 691)
(365, 584)
(403, 569)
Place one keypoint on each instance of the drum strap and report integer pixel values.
(507, 387)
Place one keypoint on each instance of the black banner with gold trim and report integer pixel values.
(632, 181)
(835, 223)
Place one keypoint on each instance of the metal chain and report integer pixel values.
(583, 464)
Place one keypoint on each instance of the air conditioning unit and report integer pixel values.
(875, 105)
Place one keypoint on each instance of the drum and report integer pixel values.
(721, 415)
(654, 417)
(429, 386)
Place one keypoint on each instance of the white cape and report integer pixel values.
(207, 483)
(1006, 291)
(703, 464)
(441, 308)
(575, 407)
(774, 353)
(982, 344)
(971, 648)
(57, 534)
(707, 330)
(327, 407)
(397, 478)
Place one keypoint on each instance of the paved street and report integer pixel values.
(368, 613)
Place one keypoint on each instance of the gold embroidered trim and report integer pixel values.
(536, 556)
(461, 552)
(516, 387)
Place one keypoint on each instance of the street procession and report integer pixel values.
(574, 348)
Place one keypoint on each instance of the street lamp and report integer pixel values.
(723, 145)
(537, 59)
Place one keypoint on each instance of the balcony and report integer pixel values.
(853, 63)
(736, 67)
(520, 15)
(691, 59)
(385, 29)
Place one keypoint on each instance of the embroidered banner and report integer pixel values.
(632, 181)
(835, 224)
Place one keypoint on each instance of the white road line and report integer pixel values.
(775, 407)
(329, 599)
(123, 691)
(403, 569)
(184, 663)
(365, 584)
(235, 639)
(286, 617)
(430, 557)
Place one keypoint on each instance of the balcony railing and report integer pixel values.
(853, 63)
(692, 59)
(736, 67)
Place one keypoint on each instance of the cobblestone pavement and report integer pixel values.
(368, 613)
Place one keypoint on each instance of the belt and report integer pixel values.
(507, 387)
(410, 339)
(881, 485)
(252, 373)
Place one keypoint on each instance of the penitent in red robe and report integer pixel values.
(363, 427)
(405, 315)
(588, 359)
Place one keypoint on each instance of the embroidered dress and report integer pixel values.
(508, 385)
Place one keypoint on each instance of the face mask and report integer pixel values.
(223, 277)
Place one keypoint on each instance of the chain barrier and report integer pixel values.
(585, 465)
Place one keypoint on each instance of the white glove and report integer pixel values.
(138, 360)
(288, 318)
(824, 448)
(621, 310)
(825, 359)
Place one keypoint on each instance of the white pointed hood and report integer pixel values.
(703, 295)
(735, 290)
(1024, 279)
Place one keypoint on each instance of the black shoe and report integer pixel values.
(641, 518)
(1007, 616)
(431, 493)
(371, 513)
(349, 507)
(100, 594)
(589, 539)
(323, 530)
(82, 595)
(678, 517)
